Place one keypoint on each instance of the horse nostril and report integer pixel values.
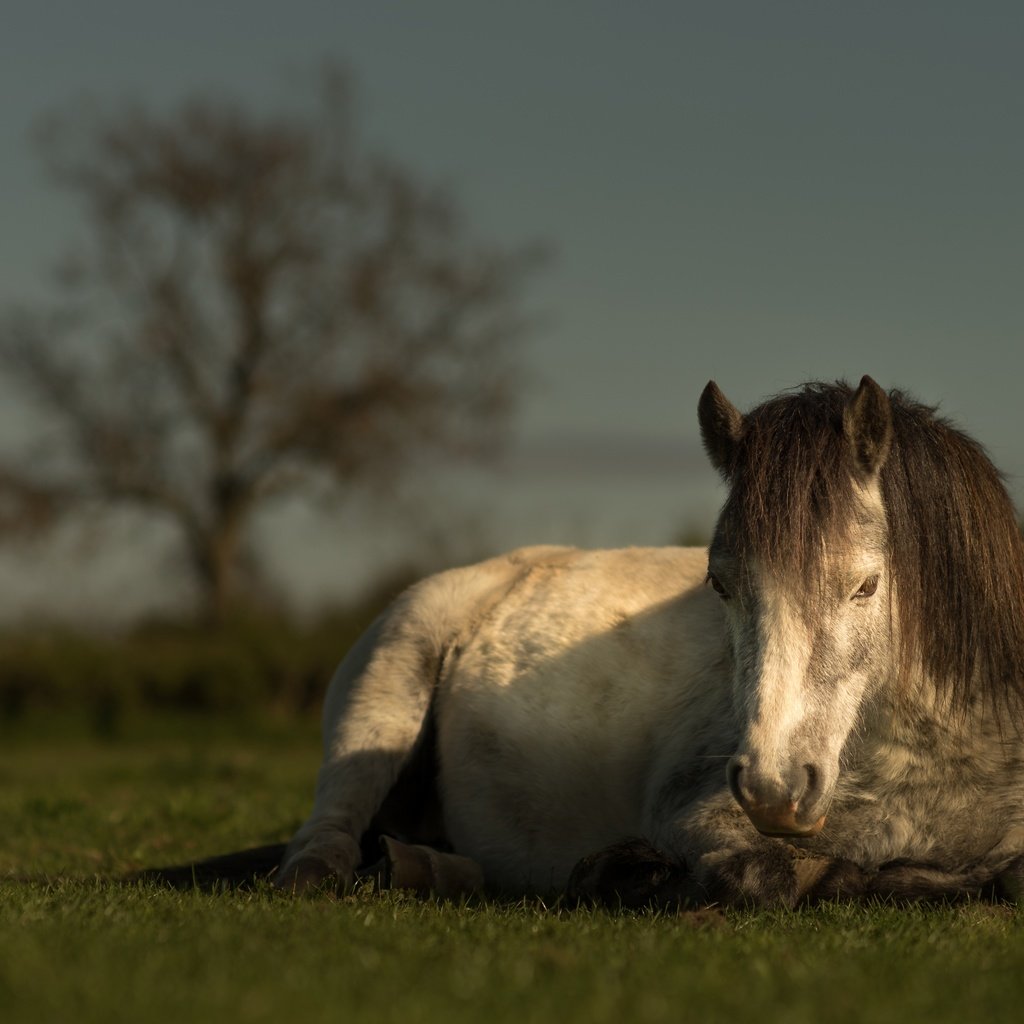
(794, 784)
(804, 786)
(785, 804)
(732, 773)
(812, 789)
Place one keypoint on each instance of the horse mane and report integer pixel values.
(955, 550)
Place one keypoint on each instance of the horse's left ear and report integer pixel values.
(867, 424)
(721, 427)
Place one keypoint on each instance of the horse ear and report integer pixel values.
(867, 424)
(721, 427)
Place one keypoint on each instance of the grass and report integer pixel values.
(74, 946)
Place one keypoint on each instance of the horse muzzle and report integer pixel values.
(787, 807)
(769, 822)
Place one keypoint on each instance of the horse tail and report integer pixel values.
(243, 869)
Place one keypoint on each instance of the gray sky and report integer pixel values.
(760, 193)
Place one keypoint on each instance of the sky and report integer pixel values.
(761, 194)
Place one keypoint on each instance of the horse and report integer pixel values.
(825, 703)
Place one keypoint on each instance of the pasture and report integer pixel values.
(76, 810)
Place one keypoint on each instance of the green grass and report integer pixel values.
(74, 947)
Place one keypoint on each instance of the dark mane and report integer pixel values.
(955, 550)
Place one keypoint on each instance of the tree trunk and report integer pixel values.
(215, 562)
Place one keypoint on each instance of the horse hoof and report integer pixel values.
(630, 875)
(426, 871)
(310, 873)
(764, 877)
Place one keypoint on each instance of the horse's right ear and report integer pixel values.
(867, 424)
(721, 427)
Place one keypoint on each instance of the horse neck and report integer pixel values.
(916, 714)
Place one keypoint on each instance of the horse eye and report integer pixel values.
(717, 586)
(868, 587)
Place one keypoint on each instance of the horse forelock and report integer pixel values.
(954, 550)
(792, 494)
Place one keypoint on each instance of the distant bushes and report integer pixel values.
(251, 663)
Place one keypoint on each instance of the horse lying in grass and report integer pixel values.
(826, 703)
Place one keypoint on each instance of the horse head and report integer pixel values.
(800, 561)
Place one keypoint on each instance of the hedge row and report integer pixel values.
(247, 664)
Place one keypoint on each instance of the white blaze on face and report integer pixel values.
(805, 662)
(775, 698)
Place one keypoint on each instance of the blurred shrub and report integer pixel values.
(253, 662)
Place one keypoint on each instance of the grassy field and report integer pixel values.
(74, 946)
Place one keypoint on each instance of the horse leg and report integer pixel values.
(903, 881)
(773, 872)
(425, 870)
(634, 874)
(378, 725)
(729, 863)
(630, 875)
(376, 718)
(1009, 883)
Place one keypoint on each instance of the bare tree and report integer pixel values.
(261, 309)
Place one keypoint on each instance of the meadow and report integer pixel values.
(78, 811)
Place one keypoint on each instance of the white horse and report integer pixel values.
(826, 703)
